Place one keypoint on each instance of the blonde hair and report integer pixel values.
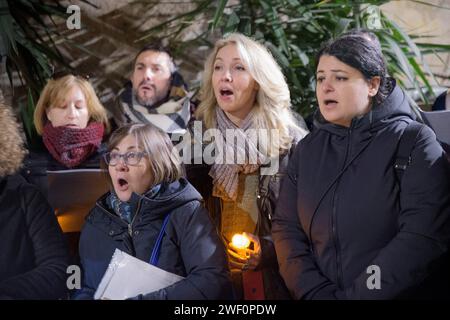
(273, 102)
(165, 163)
(54, 93)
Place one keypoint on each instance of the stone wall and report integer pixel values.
(111, 32)
(426, 20)
(107, 42)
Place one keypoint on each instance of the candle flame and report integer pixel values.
(240, 241)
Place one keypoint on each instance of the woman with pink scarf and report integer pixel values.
(72, 123)
(70, 119)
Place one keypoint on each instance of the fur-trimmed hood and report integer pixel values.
(12, 150)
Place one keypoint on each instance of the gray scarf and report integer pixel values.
(226, 175)
(172, 116)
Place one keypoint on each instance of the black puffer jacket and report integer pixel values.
(190, 247)
(34, 255)
(342, 210)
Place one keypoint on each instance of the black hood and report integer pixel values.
(170, 196)
(394, 107)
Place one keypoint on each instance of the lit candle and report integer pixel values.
(240, 242)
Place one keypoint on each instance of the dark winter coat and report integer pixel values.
(342, 210)
(33, 253)
(190, 247)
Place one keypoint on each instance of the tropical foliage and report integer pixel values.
(292, 29)
(27, 34)
(295, 29)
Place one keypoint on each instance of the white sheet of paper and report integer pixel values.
(127, 277)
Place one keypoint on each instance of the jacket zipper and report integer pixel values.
(334, 219)
(336, 240)
(130, 226)
(109, 213)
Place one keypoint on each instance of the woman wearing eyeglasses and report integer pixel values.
(150, 199)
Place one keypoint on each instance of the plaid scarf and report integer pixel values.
(171, 116)
(71, 146)
(226, 176)
(127, 209)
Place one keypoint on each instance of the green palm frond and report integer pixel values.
(295, 29)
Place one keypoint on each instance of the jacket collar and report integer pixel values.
(169, 197)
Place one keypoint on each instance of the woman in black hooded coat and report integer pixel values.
(346, 226)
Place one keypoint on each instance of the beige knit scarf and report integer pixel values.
(226, 174)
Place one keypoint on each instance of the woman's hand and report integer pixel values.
(247, 258)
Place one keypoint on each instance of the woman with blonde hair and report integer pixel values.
(155, 215)
(70, 119)
(72, 123)
(244, 95)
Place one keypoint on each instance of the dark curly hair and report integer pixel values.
(157, 47)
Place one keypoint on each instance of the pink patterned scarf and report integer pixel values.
(71, 146)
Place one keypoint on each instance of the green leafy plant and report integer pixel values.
(28, 32)
(292, 29)
(295, 29)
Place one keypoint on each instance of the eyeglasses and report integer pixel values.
(131, 158)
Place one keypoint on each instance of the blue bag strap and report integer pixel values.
(155, 253)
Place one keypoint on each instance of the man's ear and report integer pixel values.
(374, 85)
(130, 77)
